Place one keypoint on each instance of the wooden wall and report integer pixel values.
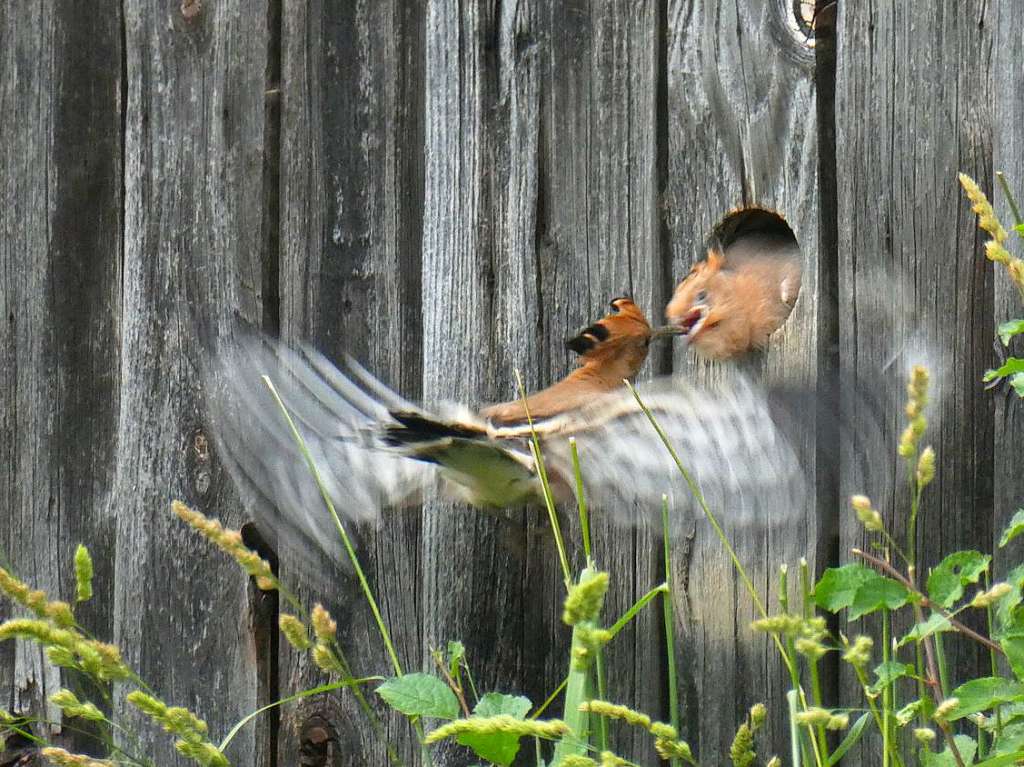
(448, 190)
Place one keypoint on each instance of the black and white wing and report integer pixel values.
(372, 449)
(729, 440)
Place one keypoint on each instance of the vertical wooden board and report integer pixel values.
(193, 172)
(913, 107)
(598, 237)
(742, 130)
(478, 269)
(1008, 157)
(60, 255)
(351, 211)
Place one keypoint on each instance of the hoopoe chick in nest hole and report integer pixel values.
(731, 302)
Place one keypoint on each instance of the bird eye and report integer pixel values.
(701, 295)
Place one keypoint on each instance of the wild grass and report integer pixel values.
(910, 705)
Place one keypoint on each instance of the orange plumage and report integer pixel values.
(611, 349)
(731, 303)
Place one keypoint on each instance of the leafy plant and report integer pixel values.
(1012, 368)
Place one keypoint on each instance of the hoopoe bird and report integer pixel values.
(730, 303)
(375, 450)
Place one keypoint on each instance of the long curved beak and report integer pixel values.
(667, 331)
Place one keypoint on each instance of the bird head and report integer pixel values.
(707, 309)
(618, 340)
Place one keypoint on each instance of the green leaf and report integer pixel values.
(889, 672)
(1017, 382)
(838, 586)
(876, 594)
(946, 582)
(1004, 760)
(1007, 614)
(1011, 366)
(496, 703)
(498, 747)
(1019, 229)
(1008, 330)
(908, 712)
(984, 694)
(965, 745)
(1013, 646)
(850, 740)
(933, 624)
(420, 695)
(456, 652)
(1015, 528)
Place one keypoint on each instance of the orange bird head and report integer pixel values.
(617, 343)
(726, 308)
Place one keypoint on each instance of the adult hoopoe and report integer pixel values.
(730, 303)
(375, 450)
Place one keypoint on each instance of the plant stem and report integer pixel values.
(581, 500)
(862, 678)
(940, 657)
(886, 691)
(349, 549)
(670, 623)
(549, 500)
(1001, 178)
(925, 602)
(737, 565)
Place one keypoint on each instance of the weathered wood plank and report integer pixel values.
(193, 193)
(481, 112)
(351, 210)
(1008, 156)
(742, 130)
(913, 95)
(598, 237)
(60, 225)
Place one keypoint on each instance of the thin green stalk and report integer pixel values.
(581, 500)
(737, 565)
(550, 699)
(696, 491)
(549, 500)
(636, 607)
(795, 741)
(349, 549)
(940, 659)
(862, 678)
(367, 593)
(886, 692)
(613, 630)
(794, 672)
(602, 725)
(992, 658)
(670, 627)
(297, 696)
(1001, 178)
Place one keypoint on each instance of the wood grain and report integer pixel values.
(1008, 157)
(193, 145)
(351, 202)
(742, 131)
(913, 107)
(60, 260)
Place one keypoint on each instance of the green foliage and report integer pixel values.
(966, 747)
(1009, 329)
(860, 590)
(420, 695)
(946, 582)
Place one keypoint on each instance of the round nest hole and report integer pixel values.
(761, 246)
